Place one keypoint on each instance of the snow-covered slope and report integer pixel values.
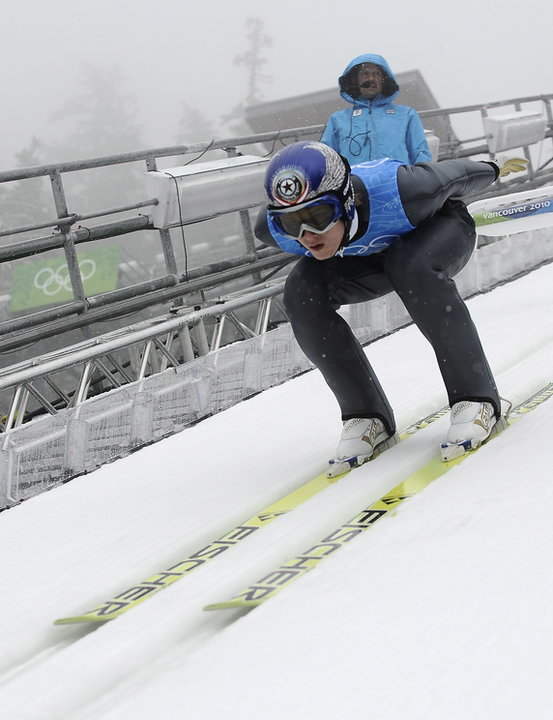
(439, 611)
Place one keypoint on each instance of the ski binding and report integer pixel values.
(452, 451)
(339, 466)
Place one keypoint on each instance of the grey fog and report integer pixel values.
(170, 54)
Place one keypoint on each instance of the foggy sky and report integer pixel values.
(175, 51)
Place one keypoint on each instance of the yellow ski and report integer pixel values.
(275, 581)
(133, 596)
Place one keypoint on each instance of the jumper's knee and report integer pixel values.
(433, 253)
(419, 278)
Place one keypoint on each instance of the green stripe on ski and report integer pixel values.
(272, 583)
(133, 596)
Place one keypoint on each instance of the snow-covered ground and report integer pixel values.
(442, 610)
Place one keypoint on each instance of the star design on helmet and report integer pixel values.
(287, 187)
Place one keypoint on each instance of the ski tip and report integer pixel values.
(80, 619)
(67, 621)
(231, 605)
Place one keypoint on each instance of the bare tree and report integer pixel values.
(252, 59)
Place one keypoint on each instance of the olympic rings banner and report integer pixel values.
(37, 283)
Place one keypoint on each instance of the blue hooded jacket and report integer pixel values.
(377, 128)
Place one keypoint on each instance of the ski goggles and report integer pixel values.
(316, 216)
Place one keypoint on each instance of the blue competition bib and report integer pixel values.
(387, 218)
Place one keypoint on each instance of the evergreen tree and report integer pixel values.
(103, 116)
(102, 121)
(194, 127)
(25, 202)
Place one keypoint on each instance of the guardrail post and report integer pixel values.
(73, 269)
(186, 344)
(247, 230)
(17, 408)
(168, 252)
(201, 338)
(68, 245)
(59, 194)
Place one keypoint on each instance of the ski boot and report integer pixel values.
(472, 423)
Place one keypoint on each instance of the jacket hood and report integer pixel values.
(348, 83)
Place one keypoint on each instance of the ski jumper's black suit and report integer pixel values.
(419, 265)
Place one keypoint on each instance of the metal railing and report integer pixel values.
(31, 385)
(66, 237)
(540, 169)
(131, 354)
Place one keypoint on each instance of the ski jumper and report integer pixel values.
(417, 263)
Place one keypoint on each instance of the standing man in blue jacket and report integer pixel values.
(375, 127)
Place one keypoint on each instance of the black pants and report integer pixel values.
(419, 267)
